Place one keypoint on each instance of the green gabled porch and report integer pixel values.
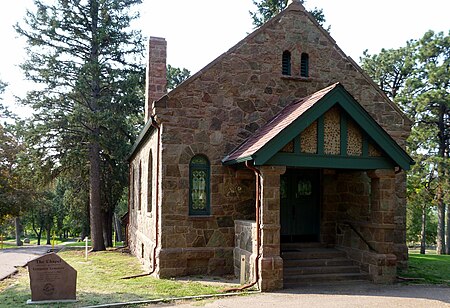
(325, 172)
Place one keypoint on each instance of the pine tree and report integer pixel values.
(266, 9)
(84, 56)
(417, 77)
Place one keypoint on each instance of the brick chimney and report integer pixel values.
(156, 78)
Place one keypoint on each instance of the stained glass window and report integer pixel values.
(199, 186)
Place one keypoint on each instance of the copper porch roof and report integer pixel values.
(282, 120)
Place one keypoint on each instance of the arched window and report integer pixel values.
(139, 193)
(132, 187)
(304, 65)
(149, 182)
(199, 170)
(286, 63)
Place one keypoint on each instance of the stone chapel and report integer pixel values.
(281, 150)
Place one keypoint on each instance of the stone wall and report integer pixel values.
(141, 227)
(365, 204)
(245, 245)
(219, 107)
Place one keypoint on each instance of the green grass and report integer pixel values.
(99, 282)
(11, 242)
(431, 268)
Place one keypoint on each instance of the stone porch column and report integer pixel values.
(383, 267)
(270, 263)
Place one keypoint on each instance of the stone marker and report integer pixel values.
(51, 280)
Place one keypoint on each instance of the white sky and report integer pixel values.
(198, 31)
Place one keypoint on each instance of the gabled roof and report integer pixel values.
(294, 118)
(295, 6)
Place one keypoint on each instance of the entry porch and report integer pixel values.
(350, 210)
(325, 173)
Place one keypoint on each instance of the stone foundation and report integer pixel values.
(175, 262)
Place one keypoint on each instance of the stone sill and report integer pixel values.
(297, 78)
(201, 217)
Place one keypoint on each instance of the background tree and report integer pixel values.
(391, 68)
(417, 77)
(86, 59)
(175, 76)
(266, 9)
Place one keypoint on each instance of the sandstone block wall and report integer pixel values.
(227, 101)
(141, 227)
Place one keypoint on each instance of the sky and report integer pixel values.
(198, 31)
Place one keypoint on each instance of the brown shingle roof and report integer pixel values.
(282, 120)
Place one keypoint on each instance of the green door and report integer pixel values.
(300, 206)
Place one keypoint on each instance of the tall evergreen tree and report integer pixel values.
(266, 9)
(417, 77)
(85, 58)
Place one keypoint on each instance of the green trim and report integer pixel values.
(236, 161)
(320, 136)
(330, 161)
(336, 96)
(297, 145)
(148, 128)
(365, 146)
(344, 136)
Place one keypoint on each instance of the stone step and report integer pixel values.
(314, 279)
(309, 270)
(317, 262)
(312, 253)
(290, 246)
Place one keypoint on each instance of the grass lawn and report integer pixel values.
(11, 242)
(98, 282)
(432, 268)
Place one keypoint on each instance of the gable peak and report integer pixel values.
(295, 4)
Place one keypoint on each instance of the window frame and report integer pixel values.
(139, 193)
(207, 168)
(304, 65)
(286, 68)
(150, 182)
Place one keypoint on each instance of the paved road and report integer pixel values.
(15, 257)
(351, 296)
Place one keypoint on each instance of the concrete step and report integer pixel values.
(314, 279)
(290, 246)
(317, 262)
(312, 253)
(309, 270)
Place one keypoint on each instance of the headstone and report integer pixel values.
(51, 280)
(26, 240)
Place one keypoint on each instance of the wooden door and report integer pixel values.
(300, 206)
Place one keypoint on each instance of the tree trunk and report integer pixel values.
(117, 228)
(95, 204)
(18, 227)
(107, 228)
(447, 246)
(48, 230)
(440, 249)
(423, 242)
(94, 150)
